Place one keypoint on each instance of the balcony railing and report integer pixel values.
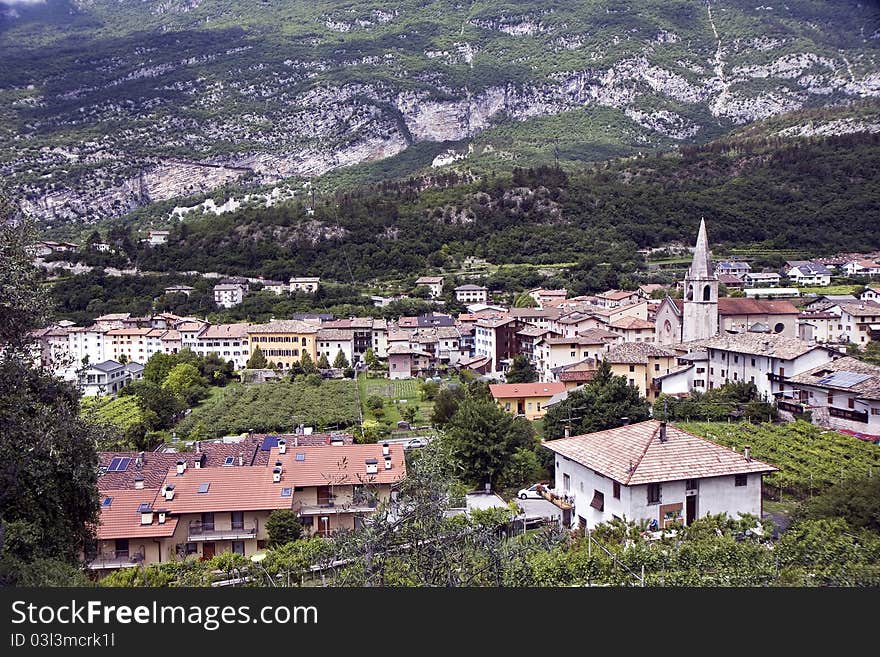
(199, 531)
(116, 559)
(777, 378)
(847, 414)
(791, 406)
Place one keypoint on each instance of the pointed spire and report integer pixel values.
(701, 267)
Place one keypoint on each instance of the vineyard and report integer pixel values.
(122, 412)
(810, 458)
(278, 406)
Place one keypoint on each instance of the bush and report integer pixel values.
(283, 526)
(374, 401)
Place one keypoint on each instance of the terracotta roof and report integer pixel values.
(284, 326)
(736, 306)
(868, 388)
(529, 313)
(590, 336)
(494, 323)
(113, 317)
(636, 352)
(632, 323)
(227, 489)
(616, 295)
(577, 375)
(121, 518)
(403, 350)
(634, 455)
(171, 335)
(191, 326)
(819, 315)
(130, 331)
(343, 465)
(860, 308)
(306, 440)
(533, 332)
(730, 279)
(233, 331)
(762, 344)
(335, 334)
(508, 390)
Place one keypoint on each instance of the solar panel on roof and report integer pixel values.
(107, 502)
(113, 464)
(145, 507)
(844, 379)
(203, 488)
(268, 443)
(229, 460)
(119, 464)
(300, 456)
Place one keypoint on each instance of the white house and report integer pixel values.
(228, 341)
(308, 284)
(180, 289)
(227, 295)
(87, 342)
(109, 377)
(553, 353)
(733, 268)
(871, 293)
(859, 321)
(765, 359)
(861, 268)
(332, 340)
(617, 298)
(843, 395)
(275, 287)
(762, 279)
(471, 293)
(806, 273)
(156, 237)
(433, 283)
(655, 472)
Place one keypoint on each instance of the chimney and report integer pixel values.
(241, 458)
(388, 462)
(337, 440)
(567, 431)
(162, 514)
(625, 421)
(198, 446)
(386, 449)
(169, 492)
(139, 463)
(663, 431)
(138, 483)
(181, 466)
(276, 475)
(747, 452)
(282, 446)
(146, 515)
(372, 466)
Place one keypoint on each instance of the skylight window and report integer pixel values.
(230, 460)
(286, 492)
(300, 456)
(203, 488)
(107, 502)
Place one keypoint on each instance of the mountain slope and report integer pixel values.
(112, 104)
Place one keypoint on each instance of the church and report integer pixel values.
(700, 314)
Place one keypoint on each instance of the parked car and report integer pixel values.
(415, 443)
(533, 492)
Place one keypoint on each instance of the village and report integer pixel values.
(212, 496)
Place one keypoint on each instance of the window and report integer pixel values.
(699, 383)
(851, 403)
(875, 411)
(830, 398)
(632, 382)
(753, 362)
(616, 490)
(740, 480)
(692, 484)
(121, 548)
(208, 522)
(598, 502)
(656, 367)
(238, 547)
(653, 493)
(632, 368)
(238, 520)
(566, 483)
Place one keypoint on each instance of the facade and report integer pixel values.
(331, 341)
(180, 289)
(818, 327)
(640, 363)
(108, 378)
(526, 399)
(433, 283)
(157, 237)
(227, 295)
(762, 279)
(633, 329)
(733, 268)
(307, 284)
(405, 362)
(655, 472)
(554, 353)
(700, 308)
(859, 322)
(275, 287)
(471, 294)
(284, 342)
(496, 339)
(861, 268)
(617, 298)
(547, 298)
(228, 341)
(843, 395)
(806, 273)
(735, 315)
(135, 344)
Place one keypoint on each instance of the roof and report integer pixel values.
(191, 326)
(107, 366)
(649, 288)
(223, 287)
(616, 295)
(429, 280)
(730, 279)
(701, 266)
(494, 322)
(808, 268)
(860, 308)
(122, 519)
(284, 326)
(737, 306)
(590, 336)
(228, 489)
(215, 331)
(577, 375)
(525, 313)
(470, 287)
(847, 373)
(761, 344)
(636, 353)
(533, 332)
(634, 454)
(113, 317)
(403, 350)
(632, 323)
(340, 465)
(335, 334)
(507, 390)
(268, 440)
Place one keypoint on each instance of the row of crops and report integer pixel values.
(121, 412)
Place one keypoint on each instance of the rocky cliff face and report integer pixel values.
(114, 128)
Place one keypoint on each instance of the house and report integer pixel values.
(527, 399)
(546, 298)
(433, 283)
(157, 237)
(102, 247)
(528, 339)
(767, 360)
(333, 340)
(640, 363)
(731, 282)
(617, 298)
(735, 268)
(871, 293)
(46, 247)
(496, 339)
(275, 287)
(111, 320)
(861, 268)
(108, 378)
(771, 292)
(471, 294)
(843, 395)
(86, 344)
(633, 329)
(655, 472)
(577, 374)
(228, 341)
(554, 352)
(648, 290)
(307, 284)
(284, 341)
(180, 289)
(405, 362)
(859, 321)
(227, 295)
(805, 273)
(135, 344)
(537, 317)
(379, 337)
(818, 327)
(762, 279)
(735, 315)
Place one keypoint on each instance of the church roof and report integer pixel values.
(701, 267)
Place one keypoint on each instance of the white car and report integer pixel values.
(533, 492)
(415, 443)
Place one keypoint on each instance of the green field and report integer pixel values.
(396, 395)
(121, 412)
(831, 289)
(810, 458)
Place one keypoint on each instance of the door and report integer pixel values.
(207, 550)
(691, 510)
(521, 407)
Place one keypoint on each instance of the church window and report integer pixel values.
(707, 293)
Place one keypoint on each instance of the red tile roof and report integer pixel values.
(340, 465)
(121, 518)
(228, 489)
(508, 390)
(736, 306)
(634, 455)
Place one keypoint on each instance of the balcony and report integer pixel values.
(199, 531)
(791, 406)
(116, 559)
(777, 378)
(847, 414)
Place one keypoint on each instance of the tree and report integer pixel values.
(307, 364)
(340, 362)
(482, 439)
(257, 360)
(524, 300)
(370, 359)
(409, 413)
(601, 404)
(323, 363)
(158, 366)
(186, 381)
(283, 526)
(48, 463)
(446, 404)
(429, 390)
(522, 370)
(374, 401)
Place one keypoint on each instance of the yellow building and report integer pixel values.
(639, 363)
(285, 341)
(527, 399)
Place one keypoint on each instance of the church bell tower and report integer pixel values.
(700, 316)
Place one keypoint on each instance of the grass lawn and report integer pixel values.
(831, 289)
(396, 394)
